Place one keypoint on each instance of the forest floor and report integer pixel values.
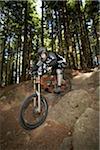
(72, 122)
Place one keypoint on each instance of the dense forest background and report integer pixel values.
(67, 27)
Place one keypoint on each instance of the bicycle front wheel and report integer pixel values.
(29, 117)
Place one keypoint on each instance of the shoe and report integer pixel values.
(57, 90)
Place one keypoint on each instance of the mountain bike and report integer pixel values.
(34, 108)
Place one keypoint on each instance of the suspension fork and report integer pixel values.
(34, 79)
(38, 91)
(39, 97)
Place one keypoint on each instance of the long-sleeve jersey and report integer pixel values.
(53, 60)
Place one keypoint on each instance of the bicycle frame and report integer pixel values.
(37, 89)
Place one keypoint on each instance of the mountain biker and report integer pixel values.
(48, 61)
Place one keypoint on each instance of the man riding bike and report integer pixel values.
(50, 60)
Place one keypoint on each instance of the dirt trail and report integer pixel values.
(48, 136)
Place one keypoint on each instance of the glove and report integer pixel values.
(49, 69)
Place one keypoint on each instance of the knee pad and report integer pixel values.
(59, 71)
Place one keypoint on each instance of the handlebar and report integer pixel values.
(40, 72)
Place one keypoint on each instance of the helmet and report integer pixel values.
(41, 49)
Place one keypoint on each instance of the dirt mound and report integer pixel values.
(70, 107)
(86, 132)
(87, 81)
(14, 92)
(58, 130)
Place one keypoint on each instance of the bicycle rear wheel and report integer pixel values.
(29, 117)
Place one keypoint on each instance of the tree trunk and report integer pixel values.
(75, 21)
(65, 35)
(83, 39)
(42, 25)
(60, 31)
(75, 53)
(2, 61)
(97, 38)
(52, 33)
(17, 47)
(25, 45)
